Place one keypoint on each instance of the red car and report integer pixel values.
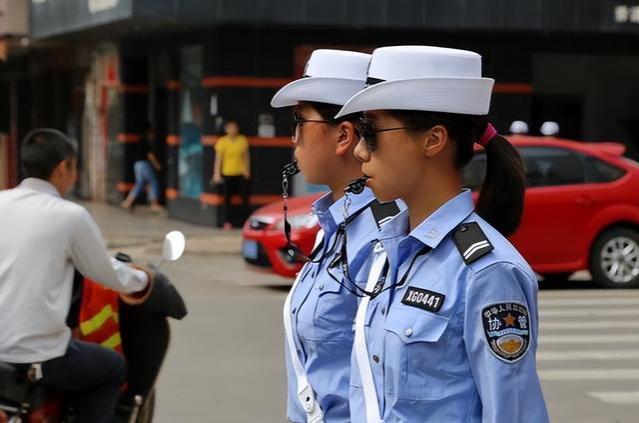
(581, 213)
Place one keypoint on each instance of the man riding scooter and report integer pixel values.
(44, 238)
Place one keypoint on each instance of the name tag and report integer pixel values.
(424, 299)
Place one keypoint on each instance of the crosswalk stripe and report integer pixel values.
(589, 374)
(589, 312)
(574, 355)
(588, 339)
(590, 324)
(597, 302)
(593, 293)
(617, 397)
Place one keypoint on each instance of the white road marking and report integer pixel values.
(574, 355)
(589, 374)
(617, 397)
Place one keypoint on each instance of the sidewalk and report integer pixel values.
(143, 228)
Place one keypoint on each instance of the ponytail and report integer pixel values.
(501, 199)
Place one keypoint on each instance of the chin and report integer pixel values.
(383, 195)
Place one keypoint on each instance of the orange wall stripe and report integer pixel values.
(134, 89)
(209, 139)
(173, 85)
(255, 200)
(124, 138)
(124, 186)
(244, 82)
(172, 193)
(285, 142)
(276, 142)
(173, 139)
(513, 88)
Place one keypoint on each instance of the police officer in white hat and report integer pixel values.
(449, 332)
(320, 308)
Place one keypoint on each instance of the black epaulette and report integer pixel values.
(383, 212)
(471, 242)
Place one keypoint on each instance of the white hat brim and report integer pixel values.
(323, 90)
(469, 96)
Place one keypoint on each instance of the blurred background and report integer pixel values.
(100, 70)
(103, 71)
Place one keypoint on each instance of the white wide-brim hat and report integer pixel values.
(331, 76)
(423, 78)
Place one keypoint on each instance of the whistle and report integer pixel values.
(290, 169)
(356, 186)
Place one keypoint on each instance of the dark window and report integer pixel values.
(549, 166)
(473, 173)
(600, 171)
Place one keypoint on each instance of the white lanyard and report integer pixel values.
(361, 350)
(305, 393)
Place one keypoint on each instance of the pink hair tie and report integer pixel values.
(489, 134)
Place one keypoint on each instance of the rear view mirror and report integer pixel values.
(174, 244)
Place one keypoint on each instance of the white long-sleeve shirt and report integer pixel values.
(43, 239)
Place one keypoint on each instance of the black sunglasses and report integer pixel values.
(298, 121)
(367, 131)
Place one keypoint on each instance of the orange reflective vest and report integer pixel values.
(99, 321)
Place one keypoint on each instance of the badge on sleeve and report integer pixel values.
(507, 330)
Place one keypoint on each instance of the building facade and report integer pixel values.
(109, 67)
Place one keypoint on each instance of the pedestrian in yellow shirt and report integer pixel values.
(232, 167)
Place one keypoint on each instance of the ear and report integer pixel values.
(347, 138)
(435, 140)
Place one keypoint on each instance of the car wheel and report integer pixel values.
(614, 260)
(556, 277)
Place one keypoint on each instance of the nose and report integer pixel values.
(361, 152)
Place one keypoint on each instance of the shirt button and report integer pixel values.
(293, 311)
(408, 332)
(383, 311)
(376, 359)
(321, 287)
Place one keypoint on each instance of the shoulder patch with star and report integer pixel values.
(507, 330)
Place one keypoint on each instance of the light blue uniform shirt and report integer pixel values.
(323, 310)
(438, 366)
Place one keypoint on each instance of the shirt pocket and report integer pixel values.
(334, 312)
(415, 349)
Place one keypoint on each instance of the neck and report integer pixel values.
(58, 186)
(427, 198)
(344, 174)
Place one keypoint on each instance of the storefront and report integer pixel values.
(185, 67)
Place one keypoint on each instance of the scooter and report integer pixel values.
(137, 329)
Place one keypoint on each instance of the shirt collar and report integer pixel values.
(321, 209)
(358, 202)
(331, 213)
(41, 185)
(435, 227)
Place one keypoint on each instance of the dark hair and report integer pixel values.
(328, 111)
(231, 121)
(501, 199)
(43, 149)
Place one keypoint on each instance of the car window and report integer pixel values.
(600, 171)
(473, 173)
(550, 166)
